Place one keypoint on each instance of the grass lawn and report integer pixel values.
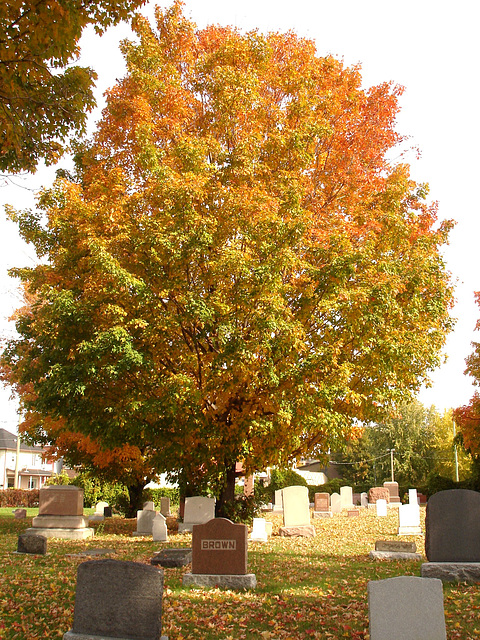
(307, 587)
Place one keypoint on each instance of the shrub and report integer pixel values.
(163, 492)
(19, 498)
(95, 490)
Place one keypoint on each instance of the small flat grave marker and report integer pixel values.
(172, 558)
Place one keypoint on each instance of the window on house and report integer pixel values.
(32, 483)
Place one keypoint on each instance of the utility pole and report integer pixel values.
(455, 451)
(392, 451)
(17, 464)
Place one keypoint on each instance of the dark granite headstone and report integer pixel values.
(117, 599)
(219, 547)
(452, 526)
(31, 543)
(172, 558)
(378, 493)
(107, 512)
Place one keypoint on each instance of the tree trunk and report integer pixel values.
(135, 492)
(227, 495)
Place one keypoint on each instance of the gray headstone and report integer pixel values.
(159, 528)
(406, 608)
(452, 526)
(31, 543)
(118, 599)
(20, 514)
(145, 520)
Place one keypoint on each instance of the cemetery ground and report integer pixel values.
(306, 587)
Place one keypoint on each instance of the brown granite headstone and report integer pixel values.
(321, 502)
(219, 547)
(393, 491)
(378, 493)
(61, 501)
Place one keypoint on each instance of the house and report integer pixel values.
(32, 470)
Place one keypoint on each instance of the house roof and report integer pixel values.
(9, 441)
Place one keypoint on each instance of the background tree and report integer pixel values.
(468, 416)
(423, 441)
(41, 101)
(236, 271)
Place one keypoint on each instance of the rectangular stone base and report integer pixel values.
(306, 530)
(59, 522)
(451, 571)
(247, 581)
(71, 635)
(409, 531)
(65, 534)
(394, 555)
(322, 514)
(185, 527)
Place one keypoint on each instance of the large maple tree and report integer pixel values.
(42, 100)
(236, 271)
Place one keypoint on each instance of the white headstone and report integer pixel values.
(159, 528)
(364, 499)
(406, 608)
(412, 496)
(409, 520)
(278, 504)
(259, 530)
(335, 503)
(381, 507)
(145, 522)
(346, 495)
(296, 506)
(99, 507)
(198, 510)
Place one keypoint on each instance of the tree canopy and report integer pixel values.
(236, 271)
(468, 416)
(42, 101)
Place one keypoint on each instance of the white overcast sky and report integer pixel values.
(431, 47)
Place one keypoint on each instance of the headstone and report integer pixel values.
(198, 510)
(346, 496)
(452, 540)
(172, 558)
(259, 530)
(149, 506)
(393, 491)
(321, 505)
(422, 498)
(278, 501)
(335, 503)
(409, 520)
(378, 493)
(159, 528)
(60, 514)
(406, 608)
(117, 599)
(452, 526)
(352, 513)
(381, 507)
(356, 499)
(145, 519)
(165, 506)
(219, 555)
(364, 499)
(395, 550)
(20, 514)
(100, 507)
(296, 512)
(248, 487)
(99, 514)
(412, 497)
(107, 512)
(32, 543)
(395, 545)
